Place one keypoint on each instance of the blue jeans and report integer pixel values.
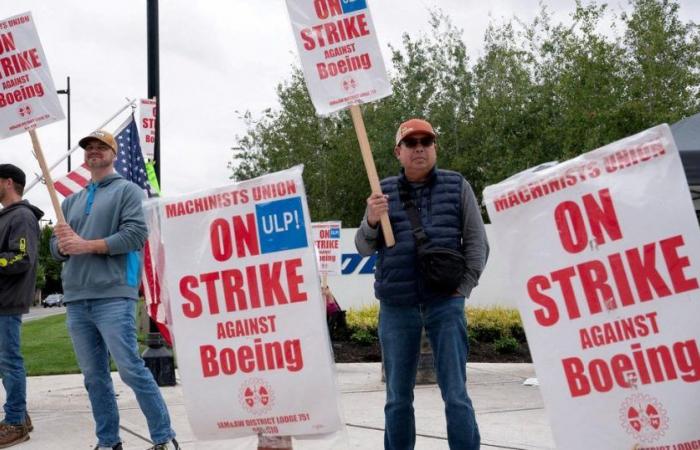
(400, 330)
(102, 327)
(14, 378)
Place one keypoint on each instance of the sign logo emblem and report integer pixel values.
(256, 396)
(25, 111)
(349, 84)
(643, 417)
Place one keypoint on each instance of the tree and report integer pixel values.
(48, 273)
(539, 92)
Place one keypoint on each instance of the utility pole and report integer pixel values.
(158, 358)
(66, 91)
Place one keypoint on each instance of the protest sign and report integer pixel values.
(326, 237)
(339, 52)
(147, 127)
(28, 96)
(248, 318)
(343, 67)
(604, 253)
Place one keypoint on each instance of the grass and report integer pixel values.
(47, 348)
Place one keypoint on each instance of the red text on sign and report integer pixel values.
(242, 230)
(260, 356)
(606, 284)
(571, 223)
(641, 325)
(335, 32)
(345, 65)
(643, 366)
(327, 8)
(264, 285)
(21, 94)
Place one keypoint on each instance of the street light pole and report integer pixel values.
(158, 358)
(66, 91)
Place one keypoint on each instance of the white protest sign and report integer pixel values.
(147, 127)
(248, 317)
(605, 263)
(326, 237)
(28, 98)
(339, 52)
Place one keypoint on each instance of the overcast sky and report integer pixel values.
(216, 58)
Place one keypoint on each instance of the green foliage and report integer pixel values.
(506, 345)
(500, 326)
(47, 347)
(363, 336)
(366, 317)
(48, 274)
(491, 324)
(363, 323)
(540, 91)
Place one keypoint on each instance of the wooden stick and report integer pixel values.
(274, 442)
(324, 280)
(371, 169)
(47, 177)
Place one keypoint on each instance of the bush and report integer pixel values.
(363, 323)
(489, 325)
(506, 345)
(366, 318)
(363, 336)
(497, 325)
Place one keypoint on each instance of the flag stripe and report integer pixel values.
(63, 189)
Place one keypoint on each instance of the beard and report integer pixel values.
(99, 163)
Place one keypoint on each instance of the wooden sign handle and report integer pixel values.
(47, 176)
(371, 169)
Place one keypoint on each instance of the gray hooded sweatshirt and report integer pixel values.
(110, 210)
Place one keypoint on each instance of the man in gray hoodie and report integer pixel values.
(19, 238)
(100, 246)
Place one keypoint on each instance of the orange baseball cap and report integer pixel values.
(414, 126)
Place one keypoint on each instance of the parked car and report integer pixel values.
(52, 300)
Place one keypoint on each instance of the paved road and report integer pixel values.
(37, 312)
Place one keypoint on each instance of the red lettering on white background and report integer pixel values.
(570, 222)
(244, 232)
(281, 284)
(595, 278)
(261, 356)
(659, 364)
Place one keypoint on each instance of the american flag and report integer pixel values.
(130, 165)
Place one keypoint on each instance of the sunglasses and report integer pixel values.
(411, 142)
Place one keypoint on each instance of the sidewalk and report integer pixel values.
(510, 415)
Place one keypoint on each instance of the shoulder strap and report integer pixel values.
(413, 216)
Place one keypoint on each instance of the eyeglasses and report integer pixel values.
(425, 141)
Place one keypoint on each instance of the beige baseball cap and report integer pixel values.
(100, 135)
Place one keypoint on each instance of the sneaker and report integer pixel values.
(172, 445)
(12, 434)
(114, 447)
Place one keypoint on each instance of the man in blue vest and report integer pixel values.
(451, 218)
